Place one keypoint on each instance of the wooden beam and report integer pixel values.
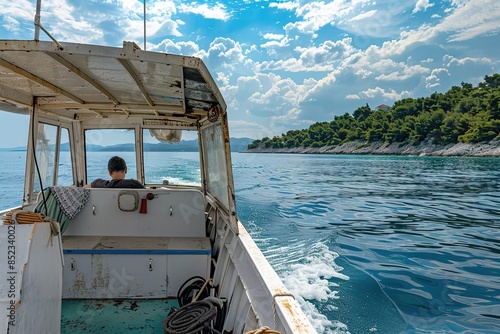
(82, 75)
(125, 63)
(98, 105)
(39, 80)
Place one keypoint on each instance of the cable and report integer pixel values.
(34, 154)
(193, 286)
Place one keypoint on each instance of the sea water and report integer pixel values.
(367, 244)
(380, 244)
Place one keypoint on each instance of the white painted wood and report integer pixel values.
(38, 274)
(128, 276)
(77, 276)
(132, 267)
(172, 213)
(182, 267)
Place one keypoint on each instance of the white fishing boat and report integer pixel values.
(169, 258)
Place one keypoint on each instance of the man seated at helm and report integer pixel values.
(117, 169)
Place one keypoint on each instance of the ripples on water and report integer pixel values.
(398, 244)
(367, 244)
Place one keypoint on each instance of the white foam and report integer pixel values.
(175, 181)
(310, 279)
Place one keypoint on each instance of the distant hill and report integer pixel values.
(237, 145)
(465, 114)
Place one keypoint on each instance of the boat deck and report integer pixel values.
(107, 316)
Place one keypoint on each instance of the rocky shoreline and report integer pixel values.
(486, 149)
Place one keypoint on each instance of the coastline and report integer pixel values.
(485, 149)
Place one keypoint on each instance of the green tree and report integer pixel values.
(463, 114)
(362, 112)
(453, 126)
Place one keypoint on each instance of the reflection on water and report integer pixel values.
(423, 230)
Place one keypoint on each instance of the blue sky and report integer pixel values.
(284, 65)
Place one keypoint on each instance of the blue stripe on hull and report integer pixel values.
(140, 251)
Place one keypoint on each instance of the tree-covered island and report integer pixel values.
(463, 121)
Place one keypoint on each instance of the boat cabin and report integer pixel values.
(121, 259)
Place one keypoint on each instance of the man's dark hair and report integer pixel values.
(116, 164)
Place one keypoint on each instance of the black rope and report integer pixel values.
(192, 318)
(206, 315)
(190, 288)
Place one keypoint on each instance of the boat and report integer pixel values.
(172, 257)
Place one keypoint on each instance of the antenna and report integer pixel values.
(37, 20)
(38, 25)
(144, 25)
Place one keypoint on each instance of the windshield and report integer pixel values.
(165, 163)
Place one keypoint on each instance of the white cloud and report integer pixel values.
(318, 59)
(12, 25)
(273, 36)
(390, 94)
(459, 3)
(270, 97)
(273, 45)
(292, 65)
(363, 73)
(18, 10)
(421, 6)
(472, 19)
(167, 27)
(406, 72)
(452, 61)
(251, 49)
(159, 19)
(476, 18)
(317, 14)
(433, 81)
(227, 55)
(217, 12)
(169, 46)
(364, 15)
(286, 5)
(326, 53)
(63, 21)
(223, 78)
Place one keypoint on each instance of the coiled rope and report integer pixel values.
(18, 216)
(193, 318)
(263, 330)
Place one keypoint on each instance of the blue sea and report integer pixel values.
(367, 244)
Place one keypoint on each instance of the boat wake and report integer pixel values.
(309, 272)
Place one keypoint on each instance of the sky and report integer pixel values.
(284, 65)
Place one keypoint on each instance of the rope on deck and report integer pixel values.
(194, 317)
(18, 216)
(263, 330)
